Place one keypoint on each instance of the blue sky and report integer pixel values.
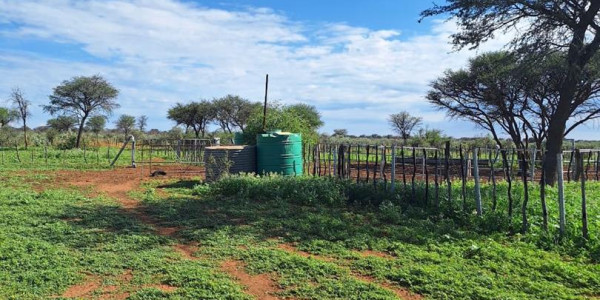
(356, 61)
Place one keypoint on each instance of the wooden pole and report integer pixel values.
(447, 171)
(561, 194)
(436, 179)
(403, 167)
(584, 218)
(393, 175)
(426, 178)
(525, 191)
(477, 187)
(358, 163)
(367, 162)
(375, 167)
(543, 195)
(264, 124)
(414, 174)
(493, 178)
(462, 178)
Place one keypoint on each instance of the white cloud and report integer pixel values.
(158, 52)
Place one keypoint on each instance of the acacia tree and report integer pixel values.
(403, 123)
(125, 124)
(96, 124)
(501, 93)
(195, 115)
(83, 96)
(21, 109)
(62, 123)
(340, 132)
(142, 122)
(572, 26)
(307, 112)
(232, 112)
(6, 116)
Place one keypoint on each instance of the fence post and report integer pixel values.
(525, 190)
(447, 170)
(393, 175)
(476, 175)
(561, 194)
(414, 175)
(584, 218)
(463, 174)
(426, 171)
(533, 157)
(358, 163)
(493, 177)
(543, 194)
(436, 179)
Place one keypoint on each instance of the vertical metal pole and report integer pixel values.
(476, 175)
(561, 194)
(132, 151)
(393, 175)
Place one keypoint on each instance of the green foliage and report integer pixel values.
(96, 124)
(232, 112)
(285, 118)
(62, 123)
(195, 115)
(125, 124)
(83, 96)
(6, 116)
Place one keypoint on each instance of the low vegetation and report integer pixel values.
(313, 238)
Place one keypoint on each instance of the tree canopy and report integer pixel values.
(403, 123)
(232, 112)
(6, 116)
(125, 124)
(96, 124)
(540, 29)
(504, 94)
(195, 115)
(62, 123)
(83, 96)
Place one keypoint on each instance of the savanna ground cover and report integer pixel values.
(113, 234)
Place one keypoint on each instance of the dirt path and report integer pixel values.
(117, 184)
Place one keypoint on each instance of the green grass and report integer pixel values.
(56, 238)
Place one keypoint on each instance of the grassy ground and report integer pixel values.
(56, 238)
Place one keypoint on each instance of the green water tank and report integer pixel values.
(238, 138)
(279, 152)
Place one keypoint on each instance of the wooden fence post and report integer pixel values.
(367, 162)
(462, 178)
(393, 167)
(436, 178)
(525, 190)
(493, 177)
(508, 180)
(584, 218)
(561, 194)
(413, 194)
(543, 194)
(426, 171)
(447, 170)
(476, 175)
(403, 167)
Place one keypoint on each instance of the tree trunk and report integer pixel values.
(25, 132)
(558, 123)
(80, 130)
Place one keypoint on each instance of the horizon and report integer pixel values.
(356, 63)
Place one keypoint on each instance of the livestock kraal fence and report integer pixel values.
(386, 167)
(435, 170)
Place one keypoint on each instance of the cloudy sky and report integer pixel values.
(356, 61)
